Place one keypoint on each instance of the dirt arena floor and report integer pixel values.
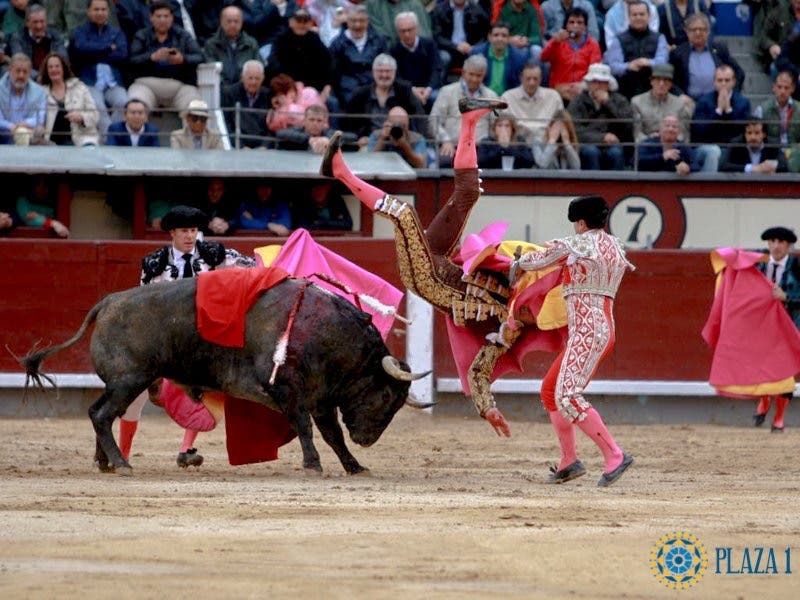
(449, 511)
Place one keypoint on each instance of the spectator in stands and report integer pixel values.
(718, 117)
(603, 120)
(570, 52)
(265, 20)
(380, 96)
(417, 58)
(753, 152)
(14, 17)
(195, 134)
(781, 120)
(38, 207)
(220, 209)
(134, 15)
(504, 62)
(265, 211)
(325, 210)
(134, 130)
(254, 103)
(696, 60)
(353, 51)
(504, 148)
(164, 59)
(230, 45)
(329, 15)
(664, 151)
(395, 136)
(65, 16)
(555, 15)
(558, 148)
(313, 135)
(458, 26)
(778, 25)
(635, 51)
(673, 13)
(299, 53)
(71, 112)
(525, 32)
(445, 118)
(383, 12)
(532, 105)
(36, 40)
(650, 108)
(616, 20)
(289, 99)
(789, 58)
(7, 220)
(23, 103)
(98, 52)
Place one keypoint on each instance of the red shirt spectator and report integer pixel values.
(570, 52)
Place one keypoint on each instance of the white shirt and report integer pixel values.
(778, 267)
(177, 259)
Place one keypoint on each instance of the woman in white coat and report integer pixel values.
(72, 115)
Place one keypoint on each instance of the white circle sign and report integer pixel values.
(637, 221)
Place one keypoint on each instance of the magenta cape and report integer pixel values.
(753, 338)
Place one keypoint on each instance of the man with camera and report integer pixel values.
(570, 52)
(394, 136)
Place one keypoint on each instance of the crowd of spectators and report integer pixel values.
(590, 84)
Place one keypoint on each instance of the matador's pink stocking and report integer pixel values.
(368, 194)
(566, 439)
(189, 436)
(594, 427)
(466, 153)
(127, 429)
(780, 407)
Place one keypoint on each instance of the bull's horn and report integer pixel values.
(414, 403)
(392, 366)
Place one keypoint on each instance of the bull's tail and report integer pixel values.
(33, 360)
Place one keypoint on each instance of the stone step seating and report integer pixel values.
(757, 84)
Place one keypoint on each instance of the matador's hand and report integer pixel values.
(498, 421)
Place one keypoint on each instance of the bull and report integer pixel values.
(336, 363)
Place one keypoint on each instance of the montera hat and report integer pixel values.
(181, 217)
(588, 208)
(779, 233)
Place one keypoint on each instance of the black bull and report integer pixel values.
(336, 361)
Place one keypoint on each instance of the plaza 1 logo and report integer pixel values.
(637, 221)
(679, 560)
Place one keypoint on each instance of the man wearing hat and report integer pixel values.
(195, 134)
(650, 108)
(593, 263)
(603, 121)
(185, 257)
(783, 271)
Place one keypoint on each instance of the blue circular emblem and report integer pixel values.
(678, 560)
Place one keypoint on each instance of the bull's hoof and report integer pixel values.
(313, 471)
(103, 467)
(360, 471)
(124, 471)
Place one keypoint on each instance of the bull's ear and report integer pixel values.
(413, 402)
(392, 366)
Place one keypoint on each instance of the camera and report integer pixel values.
(572, 35)
(396, 132)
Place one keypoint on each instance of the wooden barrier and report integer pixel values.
(49, 285)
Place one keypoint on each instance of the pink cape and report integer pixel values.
(753, 338)
(303, 257)
(478, 251)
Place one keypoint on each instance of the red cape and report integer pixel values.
(753, 337)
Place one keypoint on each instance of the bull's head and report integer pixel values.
(385, 394)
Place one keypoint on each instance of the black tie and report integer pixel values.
(774, 272)
(187, 266)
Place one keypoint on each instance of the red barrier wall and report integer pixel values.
(49, 285)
